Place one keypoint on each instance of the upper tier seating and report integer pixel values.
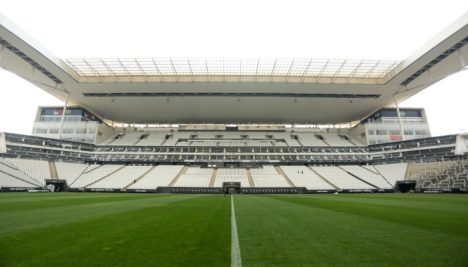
(334, 139)
(290, 142)
(124, 139)
(341, 178)
(310, 139)
(152, 139)
(224, 138)
(301, 176)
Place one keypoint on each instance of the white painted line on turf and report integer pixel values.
(236, 260)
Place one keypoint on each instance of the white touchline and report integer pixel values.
(236, 260)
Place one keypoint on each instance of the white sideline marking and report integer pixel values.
(236, 260)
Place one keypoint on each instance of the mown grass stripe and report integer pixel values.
(283, 233)
(178, 230)
(50, 215)
(437, 221)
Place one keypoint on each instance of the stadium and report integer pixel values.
(233, 161)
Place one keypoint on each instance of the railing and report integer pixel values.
(426, 149)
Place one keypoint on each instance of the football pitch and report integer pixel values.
(107, 229)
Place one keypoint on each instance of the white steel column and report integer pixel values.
(462, 60)
(2, 48)
(402, 132)
(63, 116)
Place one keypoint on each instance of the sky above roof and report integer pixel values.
(181, 28)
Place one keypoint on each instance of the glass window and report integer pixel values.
(40, 131)
(72, 118)
(80, 131)
(381, 132)
(421, 132)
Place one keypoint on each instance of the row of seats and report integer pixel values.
(12, 176)
(392, 172)
(220, 138)
(302, 176)
(346, 177)
(195, 177)
(268, 176)
(96, 176)
(232, 175)
(122, 178)
(136, 138)
(95, 173)
(440, 175)
(70, 171)
(37, 169)
(370, 176)
(342, 179)
(159, 176)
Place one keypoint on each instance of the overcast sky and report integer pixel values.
(250, 28)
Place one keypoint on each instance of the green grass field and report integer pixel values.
(93, 229)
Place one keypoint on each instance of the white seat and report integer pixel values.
(342, 179)
(301, 176)
(161, 175)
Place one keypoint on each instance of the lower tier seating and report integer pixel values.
(232, 175)
(12, 176)
(121, 178)
(268, 177)
(159, 176)
(341, 179)
(392, 172)
(27, 173)
(195, 177)
(440, 176)
(369, 176)
(302, 176)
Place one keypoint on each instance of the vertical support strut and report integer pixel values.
(462, 60)
(63, 116)
(402, 132)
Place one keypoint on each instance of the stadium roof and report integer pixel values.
(203, 68)
(234, 90)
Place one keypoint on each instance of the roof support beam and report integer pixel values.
(190, 68)
(123, 67)
(273, 69)
(402, 132)
(62, 119)
(156, 66)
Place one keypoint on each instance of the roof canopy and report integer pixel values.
(270, 67)
(234, 90)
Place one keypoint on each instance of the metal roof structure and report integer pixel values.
(234, 90)
(204, 67)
